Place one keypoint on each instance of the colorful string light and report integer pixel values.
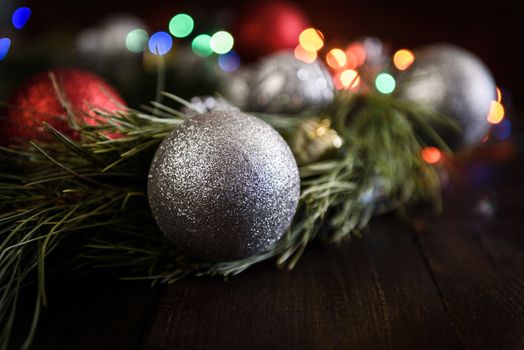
(496, 112)
(221, 42)
(311, 39)
(5, 44)
(336, 58)
(431, 155)
(181, 25)
(403, 59)
(201, 45)
(136, 40)
(347, 79)
(304, 55)
(385, 83)
(20, 17)
(160, 43)
(229, 62)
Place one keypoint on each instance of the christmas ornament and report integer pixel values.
(453, 82)
(223, 186)
(282, 84)
(268, 26)
(235, 87)
(54, 97)
(204, 104)
(314, 140)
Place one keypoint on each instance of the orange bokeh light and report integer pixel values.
(496, 112)
(347, 79)
(304, 55)
(336, 58)
(403, 59)
(358, 52)
(311, 39)
(431, 155)
(499, 95)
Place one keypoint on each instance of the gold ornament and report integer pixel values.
(315, 140)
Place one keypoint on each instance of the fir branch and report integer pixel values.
(91, 194)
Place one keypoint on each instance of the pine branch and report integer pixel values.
(92, 195)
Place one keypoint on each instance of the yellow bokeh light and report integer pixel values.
(496, 112)
(311, 39)
(336, 58)
(499, 95)
(303, 55)
(403, 59)
(348, 79)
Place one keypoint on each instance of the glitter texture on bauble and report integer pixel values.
(223, 186)
(454, 83)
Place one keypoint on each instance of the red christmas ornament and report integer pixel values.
(268, 26)
(39, 99)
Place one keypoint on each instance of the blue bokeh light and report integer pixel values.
(5, 44)
(20, 17)
(502, 130)
(229, 62)
(160, 43)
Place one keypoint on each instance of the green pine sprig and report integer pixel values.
(91, 195)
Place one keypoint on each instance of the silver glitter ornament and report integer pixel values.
(453, 82)
(235, 87)
(223, 186)
(282, 84)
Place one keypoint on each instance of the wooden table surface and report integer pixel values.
(458, 283)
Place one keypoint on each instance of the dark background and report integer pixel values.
(490, 29)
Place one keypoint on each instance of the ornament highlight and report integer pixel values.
(54, 97)
(282, 84)
(223, 186)
(453, 82)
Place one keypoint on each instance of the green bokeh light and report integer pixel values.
(201, 45)
(222, 42)
(385, 83)
(181, 25)
(136, 40)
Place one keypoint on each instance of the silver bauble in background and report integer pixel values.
(223, 186)
(235, 87)
(453, 82)
(282, 84)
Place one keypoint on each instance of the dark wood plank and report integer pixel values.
(477, 260)
(374, 293)
(95, 313)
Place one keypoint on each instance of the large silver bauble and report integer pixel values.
(282, 84)
(453, 82)
(223, 186)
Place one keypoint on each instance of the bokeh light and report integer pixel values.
(136, 40)
(201, 45)
(431, 155)
(229, 62)
(502, 130)
(20, 17)
(496, 112)
(499, 95)
(403, 59)
(348, 79)
(385, 83)
(336, 58)
(5, 44)
(181, 25)
(160, 43)
(357, 52)
(304, 55)
(222, 42)
(311, 39)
